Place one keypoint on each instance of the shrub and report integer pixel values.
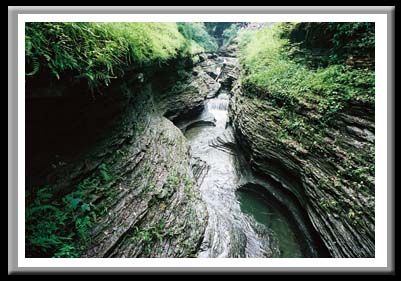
(196, 32)
(269, 72)
(230, 34)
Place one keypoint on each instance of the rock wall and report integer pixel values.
(328, 180)
(150, 205)
(153, 206)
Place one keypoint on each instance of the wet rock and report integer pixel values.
(229, 51)
(212, 55)
(151, 205)
(185, 100)
(225, 142)
(200, 123)
(204, 119)
(214, 73)
(363, 134)
(199, 168)
(156, 195)
(230, 72)
(326, 177)
(203, 57)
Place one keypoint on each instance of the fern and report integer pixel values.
(99, 52)
(60, 227)
(35, 67)
(104, 173)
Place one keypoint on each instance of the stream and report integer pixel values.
(240, 223)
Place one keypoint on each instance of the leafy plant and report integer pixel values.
(67, 251)
(196, 32)
(323, 43)
(150, 235)
(270, 73)
(230, 33)
(353, 35)
(60, 227)
(104, 172)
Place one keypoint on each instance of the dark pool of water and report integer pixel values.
(275, 220)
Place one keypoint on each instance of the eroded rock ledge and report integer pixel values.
(339, 204)
(150, 205)
(154, 209)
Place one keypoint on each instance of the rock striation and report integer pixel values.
(332, 179)
(148, 204)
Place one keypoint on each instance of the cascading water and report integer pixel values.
(240, 223)
(230, 233)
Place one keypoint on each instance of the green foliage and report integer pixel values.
(303, 103)
(230, 34)
(268, 72)
(53, 227)
(216, 29)
(244, 37)
(328, 204)
(196, 32)
(148, 236)
(98, 52)
(323, 43)
(353, 35)
(104, 173)
(223, 32)
(59, 227)
(67, 251)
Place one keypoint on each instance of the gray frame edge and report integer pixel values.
(391, 140)
(12, 141)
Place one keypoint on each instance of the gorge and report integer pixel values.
(210, 153)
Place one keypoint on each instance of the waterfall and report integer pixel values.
(217, 104)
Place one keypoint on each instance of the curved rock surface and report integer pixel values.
(154, 209)
(329, 179)
(186, 98)
(150, 205)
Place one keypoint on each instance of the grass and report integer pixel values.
(269, 73)
(300, 103)
(101, 52)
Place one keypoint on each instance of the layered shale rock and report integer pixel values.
(330, 172)
(153, 207)
(137, 171)
(185, 99)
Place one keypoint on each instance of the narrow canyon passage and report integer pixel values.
(240, 224)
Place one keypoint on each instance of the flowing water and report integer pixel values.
(240, 224)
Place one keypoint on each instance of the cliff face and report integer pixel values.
(153, 205)
(137, 174)
(330, 179)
